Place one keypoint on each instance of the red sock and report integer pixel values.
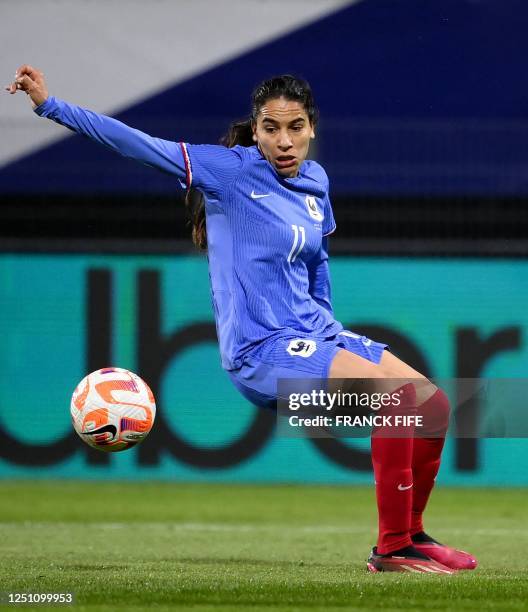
(426, 454)
(392, 459)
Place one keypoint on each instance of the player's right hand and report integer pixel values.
(31, 81)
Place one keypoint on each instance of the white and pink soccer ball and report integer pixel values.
(112, 409)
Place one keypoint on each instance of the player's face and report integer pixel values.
(283, 132)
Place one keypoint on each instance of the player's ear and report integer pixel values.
(254, 129)
(312, 135)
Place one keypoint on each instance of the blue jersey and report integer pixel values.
(266, 235)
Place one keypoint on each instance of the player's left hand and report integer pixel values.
(31, 81)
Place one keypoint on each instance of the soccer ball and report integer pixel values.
(112, 409)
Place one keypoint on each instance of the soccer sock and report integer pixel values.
(426, 454)
(392, 459)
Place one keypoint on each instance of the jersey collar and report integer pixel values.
(304, 181)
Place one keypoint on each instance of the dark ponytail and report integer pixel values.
(241, 133)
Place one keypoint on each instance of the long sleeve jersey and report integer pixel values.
(266, 234)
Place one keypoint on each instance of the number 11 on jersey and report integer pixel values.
(297, 230)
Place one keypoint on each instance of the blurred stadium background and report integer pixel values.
(423, 132)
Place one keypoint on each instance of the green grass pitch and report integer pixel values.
(139, 546)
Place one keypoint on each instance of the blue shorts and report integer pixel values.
(295, 357)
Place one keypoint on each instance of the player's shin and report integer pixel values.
(392, 449)
(427, 453)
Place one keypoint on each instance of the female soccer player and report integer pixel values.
(268, 219)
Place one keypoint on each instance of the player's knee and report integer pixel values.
(435, 412)
(442, 405)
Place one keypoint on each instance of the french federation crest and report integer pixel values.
(311, 204)
(302, 347)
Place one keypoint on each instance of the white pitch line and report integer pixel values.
(205, 527)
(247, 528)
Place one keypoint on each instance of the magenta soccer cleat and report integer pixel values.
(451, 557)
(410, 561)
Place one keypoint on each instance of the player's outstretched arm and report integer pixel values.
(156, 152)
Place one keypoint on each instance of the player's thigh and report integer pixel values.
(424, 387)
(385, 376)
